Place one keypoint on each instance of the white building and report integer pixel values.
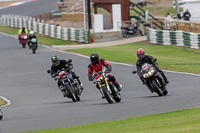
(194, 8)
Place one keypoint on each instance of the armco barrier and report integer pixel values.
(79, 35)
(179, 38)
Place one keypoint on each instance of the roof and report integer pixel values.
(189, 1)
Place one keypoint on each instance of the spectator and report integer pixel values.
(168, 17)
(186, 15)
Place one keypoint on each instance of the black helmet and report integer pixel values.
(55, 60)
(94, 58)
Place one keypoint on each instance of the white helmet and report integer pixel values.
(31, 32)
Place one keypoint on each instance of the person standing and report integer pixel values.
(186, 15)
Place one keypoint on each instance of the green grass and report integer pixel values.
(169, 57)
(2, 102)
(42, 39)
(182, 121)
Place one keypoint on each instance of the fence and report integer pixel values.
(79, 35)
(178, 38)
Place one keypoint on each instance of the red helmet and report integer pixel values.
(140, 53)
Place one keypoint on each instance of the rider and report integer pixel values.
(97, 65)
(31, 36)
(58, 64)
(22, 30)
(142, 58)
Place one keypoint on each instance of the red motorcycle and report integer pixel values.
(23, 39)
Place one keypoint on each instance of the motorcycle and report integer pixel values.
(23, 39)
(107, 88)
(1, 114)
(153, 79)
(129, 30)
(69, 86)
(33, 43)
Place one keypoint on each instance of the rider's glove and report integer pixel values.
(90, 78)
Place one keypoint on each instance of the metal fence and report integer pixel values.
(178, 38)
(38, 26)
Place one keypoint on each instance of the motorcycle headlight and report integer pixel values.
(145, 75)
(25, 37)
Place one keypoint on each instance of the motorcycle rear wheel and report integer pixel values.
(125, 33)
(156, 88)
(107, 95)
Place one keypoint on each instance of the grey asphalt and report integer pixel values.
(31, 8)
(36, 102)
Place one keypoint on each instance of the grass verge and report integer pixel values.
(182, 121)
(42, 39)
(169, 57)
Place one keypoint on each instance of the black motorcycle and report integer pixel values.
(107, 88)
(153, 79)
(129, 30)
(33, 43)
(1, 114)
(70, 87)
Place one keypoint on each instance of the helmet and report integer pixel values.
(31, 33)
(140, 53)
(55, 60)
(94, 58)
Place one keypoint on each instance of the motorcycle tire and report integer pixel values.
(1, 114)
(117, 98)
(77, 95)
(165, 92)
(156, 88)
(71, 94)
(116, 94)
(107, 95)
(23, 45)
(33, 49)
(125, 33)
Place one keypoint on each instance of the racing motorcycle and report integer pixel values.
(107, 88)
(153, 79)
(1, 114)
(33, 43)
(23, 39)
(70, 87)
(129, 30)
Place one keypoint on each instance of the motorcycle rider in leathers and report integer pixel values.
(31, 36)
(58, 64)
(97, 65)
(142, 58)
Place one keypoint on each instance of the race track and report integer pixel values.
(31, 8)
(36, 102)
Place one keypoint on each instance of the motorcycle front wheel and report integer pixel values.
(125, 33)
(71, 94)
(107, 95)
(156, 88)
(1, 114)
(33, 49)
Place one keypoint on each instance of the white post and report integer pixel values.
(116, 12)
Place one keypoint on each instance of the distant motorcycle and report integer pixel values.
(107, 89)
(70, 87)
(33, 43)
(129, 30)
(1, 114)
(153, 79)
(23, 39)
